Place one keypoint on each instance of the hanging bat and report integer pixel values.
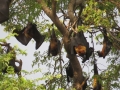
(17, 69)
(12, 61)
(96, 83)
(80, 46)
(21, 37)
(4, 10)
(54, 47)
(106, 45)
(69, 72)
(31, 31)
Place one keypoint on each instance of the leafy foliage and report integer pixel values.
(94, 15)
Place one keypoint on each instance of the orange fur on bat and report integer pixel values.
(80, 50)
(54, 47)
(105, 49)
(102, 53)
(95, 82)
(106, 45)
(96, 79)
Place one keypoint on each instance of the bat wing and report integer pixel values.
(41, 40)
(21, 37)
(95, 69)
(69, 71)
(49, 50)
(73, 43)
(108, 47)
(32, 31)
(83, 40)
(4, 11)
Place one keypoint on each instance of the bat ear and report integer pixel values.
(32, 31)
(4, 10)
(21, 37)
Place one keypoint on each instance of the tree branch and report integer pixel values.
(71, 10)
(117, 3)
(78, 75)
(113, 36)
(54, 7)
(55, 18)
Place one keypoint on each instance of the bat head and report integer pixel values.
(100, 54)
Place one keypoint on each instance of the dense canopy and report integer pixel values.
(80, 33)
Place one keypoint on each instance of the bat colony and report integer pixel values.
(79, 45)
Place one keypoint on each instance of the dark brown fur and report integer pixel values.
(4, 10)
(31, 31)
(106, 45)
(21, 37)
(69, 72)
(80, 46)
(54, 47)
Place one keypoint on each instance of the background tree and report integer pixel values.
(91, 16)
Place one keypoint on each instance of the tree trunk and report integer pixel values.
(78, 77)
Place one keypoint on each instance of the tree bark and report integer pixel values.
(78, 75)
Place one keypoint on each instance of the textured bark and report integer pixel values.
(78, 75)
